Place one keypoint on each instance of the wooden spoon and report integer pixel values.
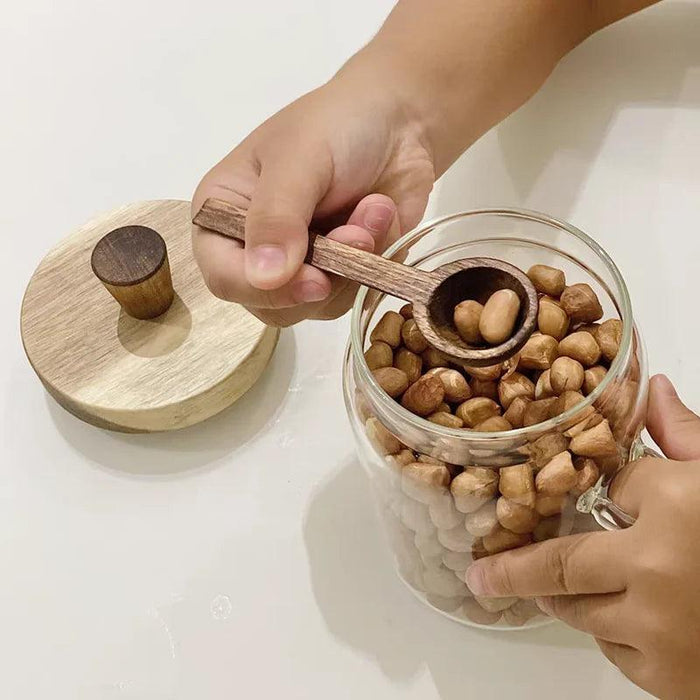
(434, 294)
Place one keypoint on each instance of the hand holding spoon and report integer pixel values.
(434, 293)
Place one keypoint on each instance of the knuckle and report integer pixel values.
(556, 565)
(273, 226)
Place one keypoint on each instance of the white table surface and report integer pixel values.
(239, 558)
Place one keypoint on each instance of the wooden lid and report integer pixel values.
(121, 373)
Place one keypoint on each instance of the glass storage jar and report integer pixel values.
(434, 535)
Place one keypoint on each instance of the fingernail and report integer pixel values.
(362, 245)
(268, 261)
(378, 218)
(475, 580)
(544, 605)
(308, 291)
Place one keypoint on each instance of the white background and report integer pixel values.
(239, 558)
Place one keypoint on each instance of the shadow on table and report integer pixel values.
(366, 606)
(551, 143)
(161, 455)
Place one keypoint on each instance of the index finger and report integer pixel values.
(577, 564)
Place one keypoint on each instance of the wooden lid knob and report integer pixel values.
(132, 264)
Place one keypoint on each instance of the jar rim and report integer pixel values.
(624, 306)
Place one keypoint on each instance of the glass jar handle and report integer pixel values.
(596, 502)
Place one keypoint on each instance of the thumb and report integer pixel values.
(277, 235)
(673, 426)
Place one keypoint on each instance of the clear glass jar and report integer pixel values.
(427, 529)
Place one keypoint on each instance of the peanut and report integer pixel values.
(484, 387)
(543, 388)
(490, 373)
(587, 475)
(595, 442)
(515, 385)
(447, 420)
(547, 504)
(474, 612)
(557, 476)
(499, 316)
(566, 401)
(444, 514)
(434, 358)
(378, 355)
(406, 311)
(517, 484)
(516, 411)
(552, 319)
(581, 304)
(477, 410)
(495, 424)
(538, 411)
(466, 319)
(410, 363)
(412, 338)
(495, 605)
(483, 521)
(456, 539)
(474, 487)
(547, 280)
(388, 329)
(456, 387)
(520, 612)
(516, 517)
(424, 482)
(566, 375)
(392, 380)
(592, 377)
(444, 408)
(609, 336)
(545, 447)
(424, 396)
(384, 442)
(580, 346)
(501, 540)
(539, 352)
(457, 561)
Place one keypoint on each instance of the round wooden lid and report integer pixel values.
(121, 373)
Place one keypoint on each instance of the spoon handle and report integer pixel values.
(402, 281)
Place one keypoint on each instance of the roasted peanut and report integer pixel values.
(581, 304)
(378, 355)
(592, 377)
(520, 612)
(547, 280)
(609, 336)
(474, 487)
(495, 424)
(388, 329)
(392, 380)
(477, 410)
(539, 352)
(429, 459)
(515, 385)
(545, 447)
(566, 375)
(543, 388)
(516, 411)
(516, 517)
(412, 338)
(456, 539)
(423, 396)
(552, 319)
(466, 319)
(447, 420)
(538, 411)
(474, 612)
(587, 474)
(547, 504)
(384, 442)
(406, 311)
(456, 387)
(444, 583)
(595, 442)
(410, 363)
(490, 373)
(517, 484)
(434, 358)
(557, 476)
(501, 539)
(494, 605)
(580, 346)
(444, 514)
(444, 408)
(424, 482)
(483, 521)
(499, 316)
(566, 401)
(457, 561)
(484, 387)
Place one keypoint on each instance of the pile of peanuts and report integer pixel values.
(444, 516)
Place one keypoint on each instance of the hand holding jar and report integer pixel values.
(635, 590)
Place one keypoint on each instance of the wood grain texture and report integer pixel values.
(132, 264)
(434, 294)
(120, 373)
